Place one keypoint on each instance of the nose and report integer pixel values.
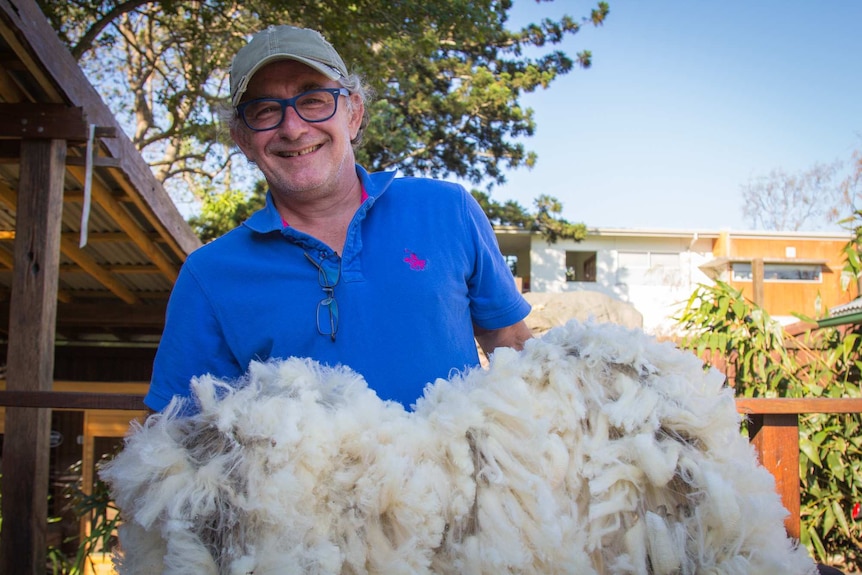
(291, 125)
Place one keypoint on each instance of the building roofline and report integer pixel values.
(654, 232)
(699, 233)
(837, 320)
(844, 314)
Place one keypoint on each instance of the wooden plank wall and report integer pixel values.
(784, 298)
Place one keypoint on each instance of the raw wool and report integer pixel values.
(595, 450)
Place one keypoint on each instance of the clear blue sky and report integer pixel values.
(686, 101)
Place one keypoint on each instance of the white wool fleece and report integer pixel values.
(595, 450)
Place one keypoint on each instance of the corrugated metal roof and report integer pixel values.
(853, 306)
(116, 287)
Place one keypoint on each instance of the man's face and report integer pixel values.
(298, 158)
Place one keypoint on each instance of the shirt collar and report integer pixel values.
(267, 219)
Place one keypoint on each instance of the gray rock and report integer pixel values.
(554, 309)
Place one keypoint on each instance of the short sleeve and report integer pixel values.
(192, 344)
(495, 301)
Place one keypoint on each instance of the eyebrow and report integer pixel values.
(303, 88)
(311, 86)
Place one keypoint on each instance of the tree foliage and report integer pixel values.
(853, 249)
(449, 76)
(546, 220)
(762, 360)
(851, 190)
(222, 211)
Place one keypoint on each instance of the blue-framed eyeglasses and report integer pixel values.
(316, 105)
(327, 308)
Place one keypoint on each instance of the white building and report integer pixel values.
(657, 270)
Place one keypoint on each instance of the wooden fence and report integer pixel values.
(774, 431)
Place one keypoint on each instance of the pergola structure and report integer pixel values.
(90, 245)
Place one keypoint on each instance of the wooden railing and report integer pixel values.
(72, 400)
(774, 432)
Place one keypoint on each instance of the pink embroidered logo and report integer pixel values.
(414, 262)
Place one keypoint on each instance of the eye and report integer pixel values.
(263, 109)
(314, 100)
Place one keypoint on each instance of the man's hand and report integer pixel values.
(512, 336)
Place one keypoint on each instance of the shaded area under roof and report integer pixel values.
(113, 289)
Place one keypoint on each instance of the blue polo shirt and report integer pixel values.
(420, 264)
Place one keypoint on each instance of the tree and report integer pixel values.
(222, 211)
(448, 91)
(546, 220)
(853, 249)
(809, 199)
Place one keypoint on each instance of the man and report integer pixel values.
(390, 276)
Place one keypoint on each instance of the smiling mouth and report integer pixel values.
(299, 152)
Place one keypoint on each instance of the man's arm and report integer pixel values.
(512, 336)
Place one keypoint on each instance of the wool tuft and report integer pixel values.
(595, 450)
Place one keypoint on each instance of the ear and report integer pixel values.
(357, 110)
(240, 138)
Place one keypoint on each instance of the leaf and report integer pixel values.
(811, 452)
(819, 437)
(738, 308)
(841, 517)
(723, 304)
(817, 543)
(834, 463)
(828, 521)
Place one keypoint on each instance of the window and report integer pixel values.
(648, 259)
(633, 259)
(664, 260)
(512, 262)
(779, 272)
(648, 268)
(580, 266)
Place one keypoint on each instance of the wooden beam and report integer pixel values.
(8, 197)
(776, 439)
(116, 269)
(82, 295)
(6, 259)
(98, 162)
(92, 237)
(140, 238)
(30, 364)
(31, 37)
(101, 315)
(177, 244)
(757, 281)
(69, 245)
(91, 266)
(10, 151)
(793, 405)
(106, 237)
(78, 196)
(9, 89)
(43, 121)
(72, 400)
(774, 433)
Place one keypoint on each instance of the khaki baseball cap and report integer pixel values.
(283, 43)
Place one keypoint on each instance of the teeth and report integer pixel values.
(300, 153)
